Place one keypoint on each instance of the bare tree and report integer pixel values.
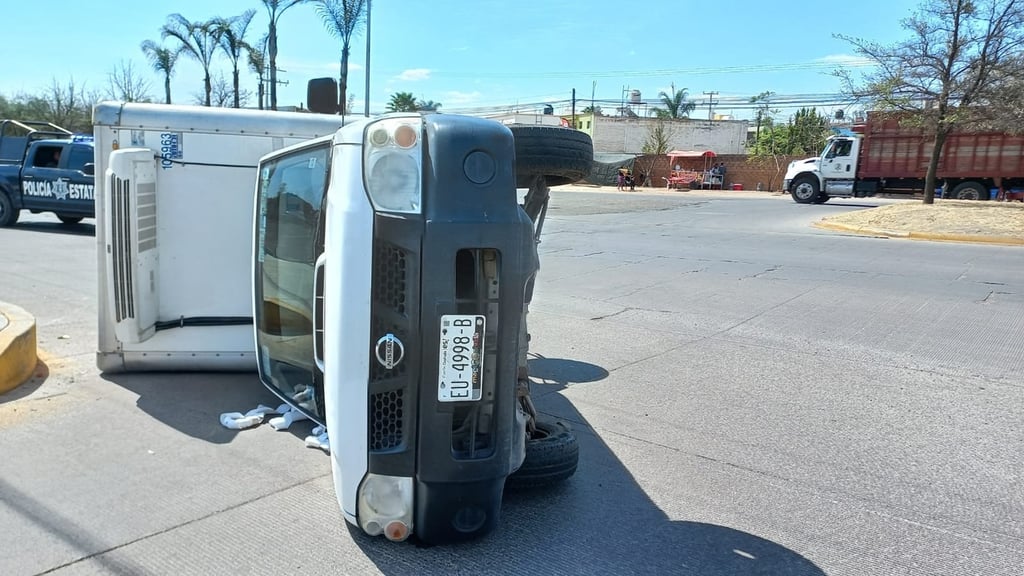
(275, 9)
(230, 36)
(343, 19)
(659, 138)
(959, 56)
(223, 95)
(162, 60)
(68, 105)
(198, 40)
(125, 84)
(258, 65)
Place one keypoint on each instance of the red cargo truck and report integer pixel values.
(887, 154)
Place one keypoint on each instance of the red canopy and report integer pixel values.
(689, 154)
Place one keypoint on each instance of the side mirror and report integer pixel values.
(89, 169)
(322, 95)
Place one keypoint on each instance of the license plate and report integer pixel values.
(461, 358)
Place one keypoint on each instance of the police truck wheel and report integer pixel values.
(551, 457)
(561, 155)
(969, 191)
(69, 219)
(8, 215)
(805, 189)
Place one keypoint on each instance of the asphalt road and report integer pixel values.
(752, 395)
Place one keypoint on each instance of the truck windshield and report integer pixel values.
(290, 192)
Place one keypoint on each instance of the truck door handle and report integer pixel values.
(318, 311)
(847, 167)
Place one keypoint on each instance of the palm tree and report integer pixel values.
(275, 9)
(230, 36)
(258, 64)
(427, 105)
(402, 102)
(163, 60)
(343, 19)
(676, 104)
(197, 40)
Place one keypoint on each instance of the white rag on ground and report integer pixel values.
(288, 416)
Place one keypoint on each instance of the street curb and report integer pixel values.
(971, 238)
(17, 347)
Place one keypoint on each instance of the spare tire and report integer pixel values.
(561, 155)
(551, 457)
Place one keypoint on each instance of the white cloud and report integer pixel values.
(414, 74)
(454, 98)
(845, 60)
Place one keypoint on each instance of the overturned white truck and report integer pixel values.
(377, 275)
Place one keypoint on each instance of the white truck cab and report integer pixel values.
(833, 174)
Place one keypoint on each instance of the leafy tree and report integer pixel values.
(958, 66)
(198, 41)
(162, 60)
(258, 65)
(230, 36)
(808, 132)
(125, 84)
(676, 104)
(275, 9)
(343, 19)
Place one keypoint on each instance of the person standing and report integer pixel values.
(620, 179)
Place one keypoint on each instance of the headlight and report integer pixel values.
(385, 506)
(393, 164)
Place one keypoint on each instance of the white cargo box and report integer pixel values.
(174, 230)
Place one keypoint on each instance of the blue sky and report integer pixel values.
(469, 55)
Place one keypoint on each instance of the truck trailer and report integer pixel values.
(888, 154)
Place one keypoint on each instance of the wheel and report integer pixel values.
(551, 457)
(822, 198)
(8, 215)
(969, 191)
(69, 219)
(805, 189)
(562, 155)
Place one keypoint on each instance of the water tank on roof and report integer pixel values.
(634, 97)
(549, 109)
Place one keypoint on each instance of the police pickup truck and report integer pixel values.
(44, 168)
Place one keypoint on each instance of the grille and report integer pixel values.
(386, 417)
(121, 239)
(389, 277)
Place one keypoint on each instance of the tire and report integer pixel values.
(69, 219)
(562, 155)
(969, 191)
(551, 457)
(8, 215)
(822, 198)
(805, 189)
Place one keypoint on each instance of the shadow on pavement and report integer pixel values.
(39, 376)
(193, 402)
(601, 521)
(80, 229)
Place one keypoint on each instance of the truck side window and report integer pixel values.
(842, 148)
(289, 196)
(47, 156)
(79, 157)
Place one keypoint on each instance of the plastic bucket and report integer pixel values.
(737, 186)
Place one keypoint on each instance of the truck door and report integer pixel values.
(837, 163)
(80, 183)
(290, 194)
(41, 186)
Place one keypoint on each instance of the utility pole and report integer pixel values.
(366, 109)
(574, 109)
(711, 102)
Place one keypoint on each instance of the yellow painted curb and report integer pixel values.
(974, 238)
(17, 347)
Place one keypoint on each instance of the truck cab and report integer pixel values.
(832, 174)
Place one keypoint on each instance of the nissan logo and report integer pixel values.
(389, 351)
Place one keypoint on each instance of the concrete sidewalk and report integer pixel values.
(17, 346)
